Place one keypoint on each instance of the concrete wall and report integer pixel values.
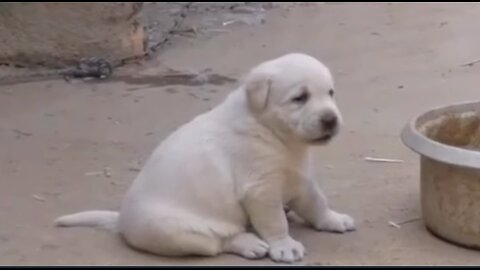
(59, 34)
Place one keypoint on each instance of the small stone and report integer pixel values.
(107, 172)
(38, 198)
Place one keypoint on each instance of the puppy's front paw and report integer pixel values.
(286, 250)
(336, 222)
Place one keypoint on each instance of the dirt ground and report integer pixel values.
(70, 147)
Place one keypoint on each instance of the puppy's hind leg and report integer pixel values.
(169, 232)
(171, 241)
(247, 245)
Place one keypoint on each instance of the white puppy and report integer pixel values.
(219, 184)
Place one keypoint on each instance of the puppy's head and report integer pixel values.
(294, 95)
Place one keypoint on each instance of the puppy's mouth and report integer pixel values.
(322, 139)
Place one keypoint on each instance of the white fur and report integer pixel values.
(219, 184)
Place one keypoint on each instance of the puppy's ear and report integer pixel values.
(257, 88)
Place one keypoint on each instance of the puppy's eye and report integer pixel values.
(331, 92)
(302, 98)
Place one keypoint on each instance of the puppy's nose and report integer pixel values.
(329, 121)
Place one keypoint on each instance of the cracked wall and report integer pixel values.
(59, 34)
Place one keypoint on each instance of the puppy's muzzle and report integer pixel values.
(329, 122)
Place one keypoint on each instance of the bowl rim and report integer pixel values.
(425, 146)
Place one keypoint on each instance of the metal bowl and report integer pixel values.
(450, 173)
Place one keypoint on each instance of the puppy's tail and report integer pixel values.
(96, 218)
